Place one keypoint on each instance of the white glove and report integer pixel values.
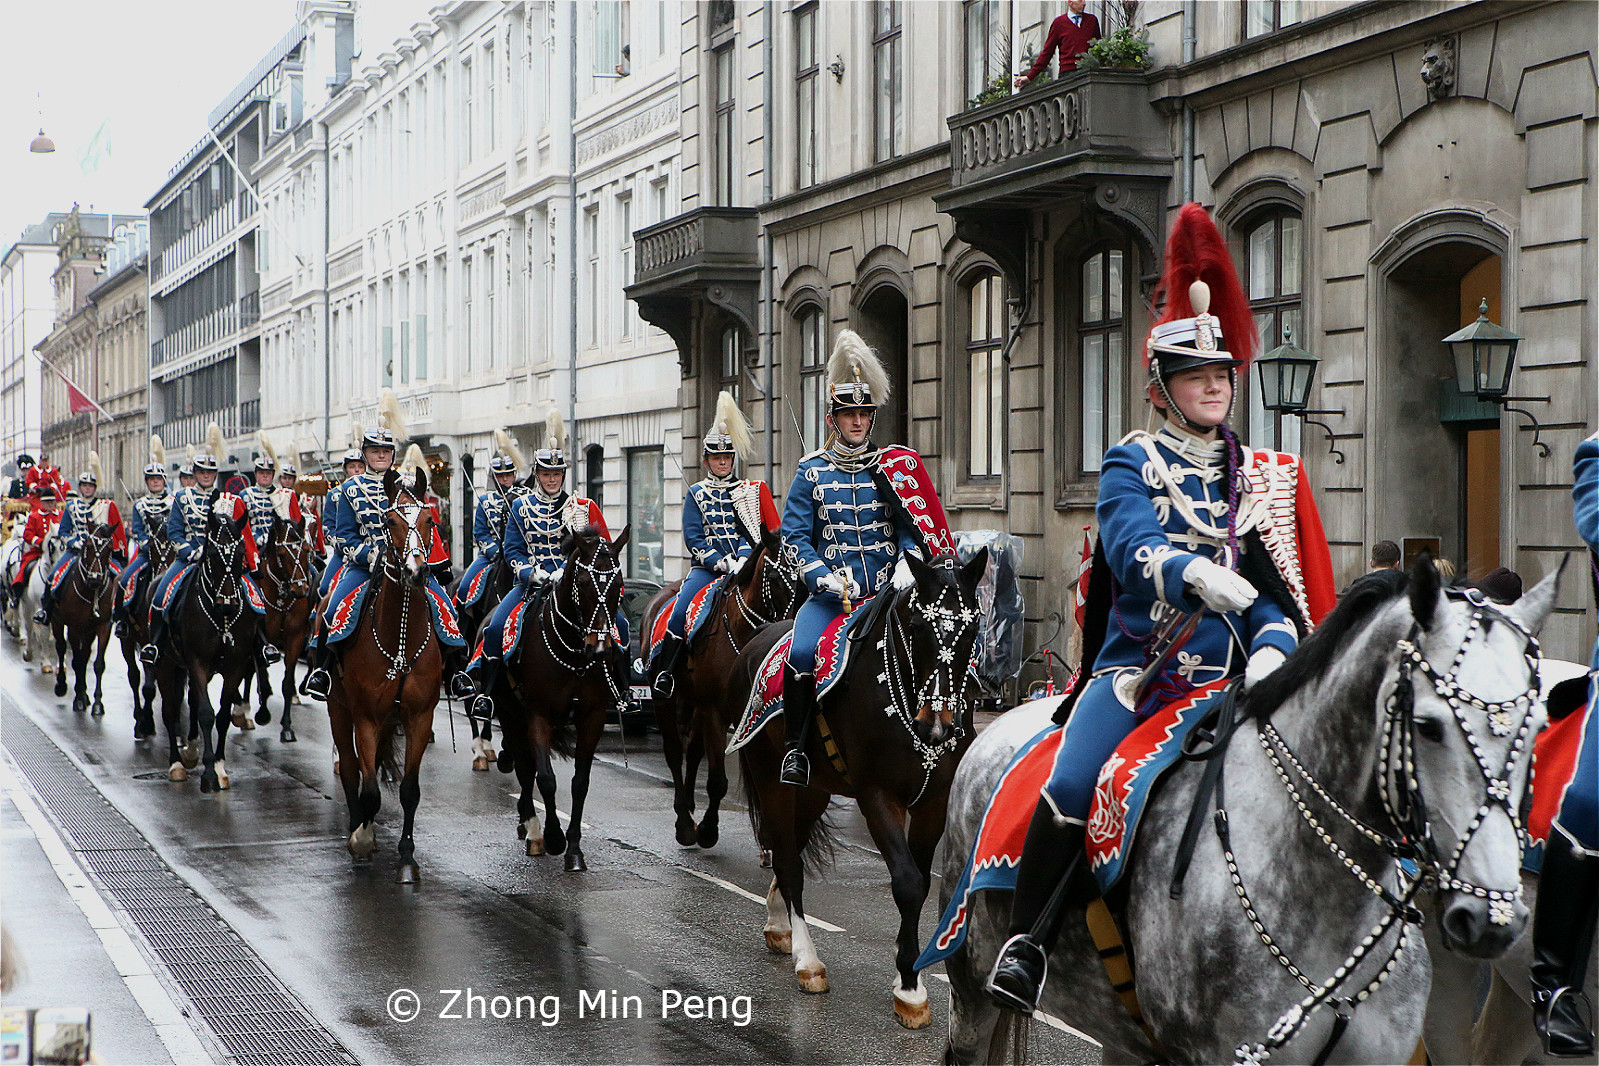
(1219, 587)
(903, 578)
(1262, 663)
(555, 576)
(735, 564)
(537, 577)
(831, 583)
(724, 565)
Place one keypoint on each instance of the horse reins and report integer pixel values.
(400, 663)
(299, 569)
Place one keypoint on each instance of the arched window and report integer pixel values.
(1272, 278)
(813, 377)
(1102, 352)
(985, 343)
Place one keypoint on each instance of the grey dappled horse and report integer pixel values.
(1341, 738)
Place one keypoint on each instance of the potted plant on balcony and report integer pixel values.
(996, 90)
(1125, 49)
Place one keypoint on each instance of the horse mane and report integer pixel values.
(1358, 606)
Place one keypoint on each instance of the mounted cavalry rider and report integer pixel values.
(288, 478)
(848, 527)
(264, 499)
(720, 513)
(361, 531)
(333, 503)
(146, 524)
(187, 525)
(1192, 527)
(538, 522)
(78, 518)
(42, 524)
(186, 475)
(1568, 886)
(37, 476)
(489, 518)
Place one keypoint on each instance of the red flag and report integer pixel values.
(1081, 607)
(78, 401)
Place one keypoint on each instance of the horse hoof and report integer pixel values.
(49, 669)
(491, 755)
(97, 709)
(335, 768)
(263, 716)
(575, 863)
(222, 777)
(687, 832)
(812, 981)
(709, 834)
(912, 1014)
(555, 843)
(208, 782)
(780, 941)
(505, 762)
(238, 719)
(363, 842)
(190, 756)
(177, 772)
(80, 704)
(766, 859)
(248, 725)
(480, 763)
(535, 845)
(408, 874)
(287, 735)
(61, 685)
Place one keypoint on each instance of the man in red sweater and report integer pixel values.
(1070, 34)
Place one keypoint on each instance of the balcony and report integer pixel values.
(221, 326)
(1086, 135)
(208, 231)
(235, 420)
(708, 255)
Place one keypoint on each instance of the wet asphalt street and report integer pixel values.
(648, 919)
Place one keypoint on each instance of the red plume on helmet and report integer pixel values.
(1196, 252)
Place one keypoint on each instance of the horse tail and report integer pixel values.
(822, 847)
(1009, 1042)
(388, 754)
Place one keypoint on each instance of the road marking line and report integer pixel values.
(1048, 1019)
(632, 769)
(810, 919)
(181, 1042)
(558, 812)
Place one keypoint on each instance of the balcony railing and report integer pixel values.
(211, 229)
(235, 420)
(716, 238)
(218, 327)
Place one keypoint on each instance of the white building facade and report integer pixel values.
(27, 314)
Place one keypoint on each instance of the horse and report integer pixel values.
(212, 633)
(288, 583)
(136, 634)
(693, 721)
(1401, 728)
(389, 676)
(11, 558)
(560, 688)
(498, 584)
(901, 720)
(82, 618)
(33, 634)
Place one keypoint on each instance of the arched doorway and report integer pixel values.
(884, 323)
(1435, 466)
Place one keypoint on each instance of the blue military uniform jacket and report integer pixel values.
(538, 523)
(489, 519)
(149, 519)
(837, 518)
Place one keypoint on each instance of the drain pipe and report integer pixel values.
(327, 320)
(571, 221)
(1190, 48)
(768, 267)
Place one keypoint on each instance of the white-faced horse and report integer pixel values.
(1401, 728)
(37, 640)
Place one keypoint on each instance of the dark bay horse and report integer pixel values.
(1401, 727)
(497, 584)
(83, 618)
(389, 676)
(901, 717)
(213, 633)
(288, 583)
(556, 695)
(694, 720)
(136, 634)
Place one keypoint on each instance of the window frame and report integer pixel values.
(806, 80)
(992, 346)
(724, 129)
(730, 346)
(1277, 8)
(888, 43)
(1285, 431)
(1112, 418)
(809, 319)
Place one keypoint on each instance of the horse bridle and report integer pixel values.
(752, 617)
(94, 579)
(300, 568)
(599, 622)
(400, 662)
(1406, 809)
(229, 589)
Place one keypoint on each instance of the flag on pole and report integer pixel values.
(78, 401)
(1080, 608)
(96, 151)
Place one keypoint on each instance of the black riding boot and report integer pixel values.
(1562, 938)
(158, 633)
(488, 672)
(799, 708)
(1052, 861)
(270, 655)
(46, 602)
(459, 684)
(318, 683)
(663, 681)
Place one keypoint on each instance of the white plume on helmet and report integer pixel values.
(389, 409)
(505, 444)
(189, 455)
(94, 466)
(852, 358)
(357, 431)
(729, 421)
(158, 451)
(414, 459)
(214, 442)
(266, 447)
(554, 431)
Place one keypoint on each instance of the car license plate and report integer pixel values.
(640, 692)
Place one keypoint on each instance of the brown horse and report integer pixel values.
(900, 719)
(389, 676)
(565, 681)
(136, 633)
(288, 582)
(693, 720)
(82, 617)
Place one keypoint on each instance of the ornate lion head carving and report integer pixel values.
(1438, 67)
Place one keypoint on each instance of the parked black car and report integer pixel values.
(637, 595)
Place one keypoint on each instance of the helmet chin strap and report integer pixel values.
(1175, 413)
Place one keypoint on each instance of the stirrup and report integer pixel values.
(483, 707)
(148, 654)
(318, 684)
(664, 684)
(1017, 980)
(1567, 1041)
(41, 617)
(461, 686)
(121, 628)
(271, 655)
(796, 769)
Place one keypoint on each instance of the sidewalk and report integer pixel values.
(70, 961)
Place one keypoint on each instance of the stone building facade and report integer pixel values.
(1380, 168)
(27, 314)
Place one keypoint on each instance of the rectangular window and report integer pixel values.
(645, 482)
(984, 345)
(732, 367)
(1269, 16)
(591, 242)
(805, 81)
(888, 117)
(1272, 279)
(464, 135)
(491, 116)
(813, 380)
(387, 325)
(1101, 351)
(987, 45)
(468, 323)
(725, 151)
(594, 473)
(663, 206)
(624, 311)
(404, 300)
(491, 325)
(607, 37)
